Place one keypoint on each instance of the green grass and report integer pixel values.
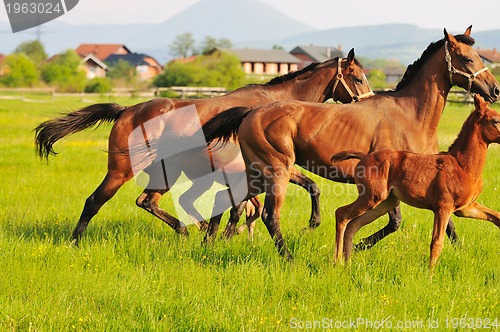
(131, 272)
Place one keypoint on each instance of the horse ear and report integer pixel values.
(449, 37)
(350, 56)
(468, 30)
(479, 103)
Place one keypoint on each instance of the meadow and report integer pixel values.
(132, 272)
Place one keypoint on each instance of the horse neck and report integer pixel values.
(427, 92)
(312, 87)
(470, 148)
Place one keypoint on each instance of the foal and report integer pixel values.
(446, 183)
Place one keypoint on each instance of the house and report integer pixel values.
(146, 67)
(93, 66)
(310, 54)
(101, 51)
(490, 57)
(264, 62)
(393, 74)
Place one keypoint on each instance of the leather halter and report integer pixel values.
(340, 78)
(452, 70)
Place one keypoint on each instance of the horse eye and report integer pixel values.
(495, 121)
(358, 80)
(468, 60)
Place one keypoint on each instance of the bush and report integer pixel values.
(217, 69)
(20, 71)
(98, 85)
(65, 73)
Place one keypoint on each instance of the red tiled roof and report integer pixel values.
(101, 51)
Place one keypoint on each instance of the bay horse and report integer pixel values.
(340, 79)
(445, 183)
(276, 136)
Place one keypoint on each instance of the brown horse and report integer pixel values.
(445, 183)
(276, 136)
(317, 82)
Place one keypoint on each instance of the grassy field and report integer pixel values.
(131, 272)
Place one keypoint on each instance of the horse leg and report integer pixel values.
(450, 231)
(252, 218)
(221, 199)
(199, 187)
(107, 189)
(478, 211)
(275, 197)
(148, 200)
(364, 219)
(234, 217)
(441, 218)
(392, 226)
(296, 177)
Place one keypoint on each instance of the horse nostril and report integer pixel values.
(496, 92)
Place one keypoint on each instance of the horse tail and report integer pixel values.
(224, 126)
(50, 131)
(345, 155)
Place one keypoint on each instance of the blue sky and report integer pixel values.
(454, 15)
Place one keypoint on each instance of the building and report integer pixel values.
(393, 74)
(264, 62)
(490, 57)
(310, 54)
(93, 66)
(146, 67)
(101, 51)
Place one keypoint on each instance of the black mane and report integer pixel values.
(291, 75)
(433, 47)
(312, 66)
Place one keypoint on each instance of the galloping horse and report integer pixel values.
(317, 82)
(276, 136)
(445, 183)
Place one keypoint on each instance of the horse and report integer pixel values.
(446, 183)
(340, 79)
(276, 136)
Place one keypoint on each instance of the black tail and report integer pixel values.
(345, 155)
(50, 131)
(224, 126)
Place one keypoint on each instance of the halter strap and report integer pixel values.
(340, 78)
(452, 70)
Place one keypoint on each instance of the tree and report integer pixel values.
(182, 45)
(376, 77)
(34, 50)
(122, 70)
(19, 71)
(210, 43)
(217, 69)
(65, 72)
(277, 47)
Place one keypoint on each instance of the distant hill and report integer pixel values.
(247, 23)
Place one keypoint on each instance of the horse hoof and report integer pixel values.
(362, 246)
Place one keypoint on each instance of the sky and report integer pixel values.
(455, 15)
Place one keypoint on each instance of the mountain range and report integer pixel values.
(247, 23)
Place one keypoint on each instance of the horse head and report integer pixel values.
(466, 69)
(489, 120)
(351, 77)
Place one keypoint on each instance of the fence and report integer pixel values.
(455, 96)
